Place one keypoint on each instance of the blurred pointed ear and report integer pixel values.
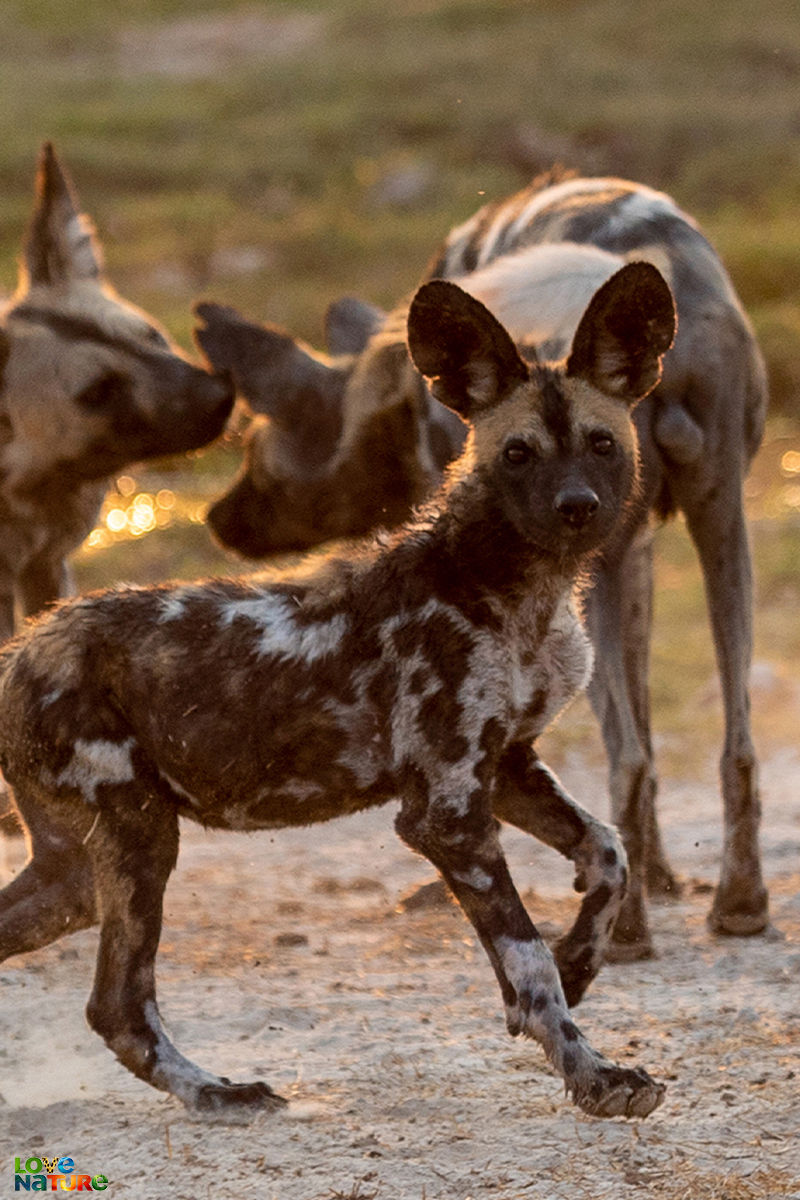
(628, 327)
(350, 323)
(272, 371)
(60, 245)
(465, 352)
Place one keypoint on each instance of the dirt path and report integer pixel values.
(285, 957)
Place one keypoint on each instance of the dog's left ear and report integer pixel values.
(462, 349)
(629, 325)
(60, 246)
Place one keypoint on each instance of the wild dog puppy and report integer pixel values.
(535, 259)
(420, 667)
(88, 384)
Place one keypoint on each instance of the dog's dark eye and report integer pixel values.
(601, 442)
(517, 453)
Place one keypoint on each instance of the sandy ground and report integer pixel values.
(287, 957)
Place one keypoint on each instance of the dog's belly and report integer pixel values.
(322, 772)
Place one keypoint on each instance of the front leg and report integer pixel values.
(529, 796)
(460, 837)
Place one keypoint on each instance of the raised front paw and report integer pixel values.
(236, 1101)
(619, 1092)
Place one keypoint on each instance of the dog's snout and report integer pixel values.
(577, 505)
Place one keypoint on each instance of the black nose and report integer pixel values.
(576, 505)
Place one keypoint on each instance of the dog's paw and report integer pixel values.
(620, 1092)
(236, 1101)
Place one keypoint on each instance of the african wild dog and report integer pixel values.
(534, 260)
(419, 667)
(337, 445)
(88, 384)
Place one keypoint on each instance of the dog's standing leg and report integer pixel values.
(53, 894)
(530, 797)
(717, 526)
(619, 608)
(459, 836)
(134, 849)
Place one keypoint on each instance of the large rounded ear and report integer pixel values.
(462, 348)
(272, 371)
(60, 245)
(629, 325)
(350, 323)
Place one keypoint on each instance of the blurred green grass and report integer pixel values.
(275, 156)
(197, 129)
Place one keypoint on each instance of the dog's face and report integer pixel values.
(90, 383)
(553, 445)
(338, 444)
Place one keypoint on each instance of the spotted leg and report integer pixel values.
(529, 796)
(133, 849)
(53, 894)
(460, 838)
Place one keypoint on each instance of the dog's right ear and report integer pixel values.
(465, 352)
(60, 246)
(625, 332)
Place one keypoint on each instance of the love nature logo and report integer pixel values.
(41, 1174)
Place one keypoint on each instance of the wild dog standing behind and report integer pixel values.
(534, 259)
(88, 384)
(420, 668)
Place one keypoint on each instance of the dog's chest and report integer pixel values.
(545, 673)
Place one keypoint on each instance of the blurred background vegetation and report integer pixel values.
(277, 155)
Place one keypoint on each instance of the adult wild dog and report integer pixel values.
(534, 260)
(419, 667)
(89, 384)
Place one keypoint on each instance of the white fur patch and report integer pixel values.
(541, 292)
(476, 878)
(172, 607)
(281, 636)
(172, 1072)
(95, 763)
(529, 966)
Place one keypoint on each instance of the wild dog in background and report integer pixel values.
(534, 260)
(89, 383)
(419, 667)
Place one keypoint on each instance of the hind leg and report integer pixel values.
(54, 893)
(618, 611)
(717, 526)
(530, 797)
(133, 850)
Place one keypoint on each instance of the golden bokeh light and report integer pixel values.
(130, 512)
